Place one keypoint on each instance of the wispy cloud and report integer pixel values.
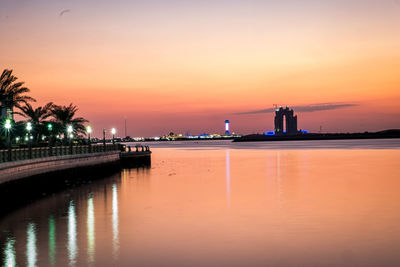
(303, 108)
(64, 11)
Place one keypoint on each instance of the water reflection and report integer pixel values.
(90, 229)
(52, 240)
(9, 253)
(115, 221)
(242, 208)
(31, 252)
(72, 243)
(228, 177)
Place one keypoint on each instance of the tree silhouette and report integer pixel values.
(12, 94)
(37, 117)
(65, 116)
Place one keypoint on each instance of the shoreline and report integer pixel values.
(388, 134)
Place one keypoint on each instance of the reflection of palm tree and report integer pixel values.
(12, 94)
(65, 116)
(37, 117)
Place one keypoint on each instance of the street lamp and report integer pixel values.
(69, 131)
(7, 125)
(113, 132)
(89, 131)
(29, 129)
(50, 128)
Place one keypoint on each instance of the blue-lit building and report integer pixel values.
(227, 132)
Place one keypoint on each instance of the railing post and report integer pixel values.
(104, 140)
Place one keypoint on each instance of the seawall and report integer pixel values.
(16, 170)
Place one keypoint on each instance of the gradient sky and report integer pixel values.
(189, 65)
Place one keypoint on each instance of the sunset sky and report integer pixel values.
(189, 65)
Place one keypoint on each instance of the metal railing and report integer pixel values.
(42, 152)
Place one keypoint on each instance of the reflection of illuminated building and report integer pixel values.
(228, 177)
(9, 253)
(90, 229)
(52, 240)
(31, 253)
(115, 220)
(72, 245)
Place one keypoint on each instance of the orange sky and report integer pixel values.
(189, 65)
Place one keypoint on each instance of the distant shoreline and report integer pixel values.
(321, 136)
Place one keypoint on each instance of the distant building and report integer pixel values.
(227, 127)
(290, 125)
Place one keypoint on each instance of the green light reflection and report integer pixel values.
(9, 253)
(52, 241)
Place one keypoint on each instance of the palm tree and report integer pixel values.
(65, 116)
(37, 117)
(12, 94)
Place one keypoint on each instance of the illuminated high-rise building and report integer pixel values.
(285, 121)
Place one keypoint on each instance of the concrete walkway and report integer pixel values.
(25, 168)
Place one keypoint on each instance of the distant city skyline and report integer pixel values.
(178, 66)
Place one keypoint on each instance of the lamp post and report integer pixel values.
(70, 129)
(89, 131)
(50, 128)
(113, 132)
(29, 129)
(104, 140)
(7, 125)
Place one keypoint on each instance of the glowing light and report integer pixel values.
(31, 252)
(52, 240)
(9, 253)
(29, 126)
(70, 129)
(89, 129)
(50, 126)
(72, 243)
(90, 229)
(71, 136)
(270, 133)
(115, 221)
(113, 131)
(227, 126)
(7, 125)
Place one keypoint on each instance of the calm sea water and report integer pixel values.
(332, 203)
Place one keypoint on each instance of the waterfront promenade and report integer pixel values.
(28, 162)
